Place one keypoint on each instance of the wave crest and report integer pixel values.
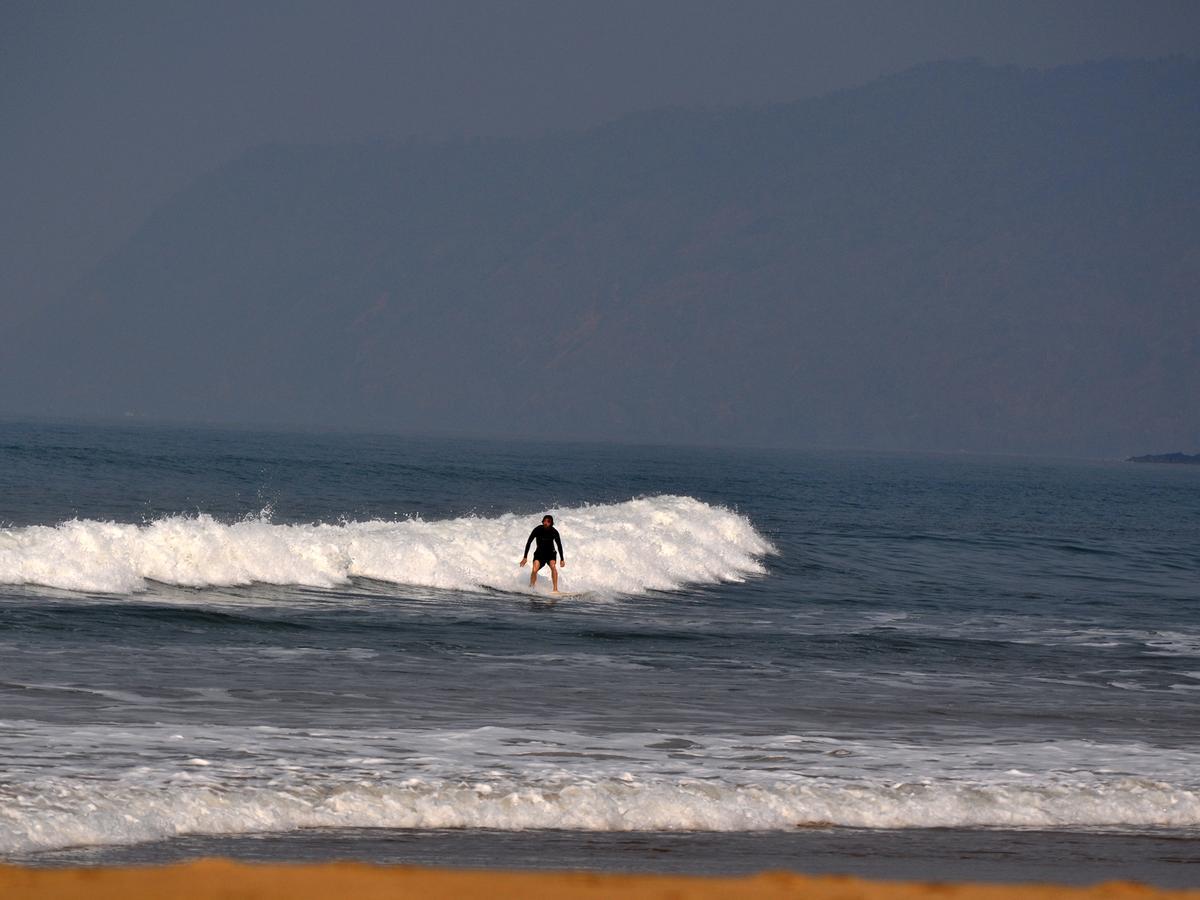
(653, 543)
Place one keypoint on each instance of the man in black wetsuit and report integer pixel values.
(547, 537)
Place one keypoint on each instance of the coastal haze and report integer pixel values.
(677, 226)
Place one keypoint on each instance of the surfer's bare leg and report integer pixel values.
(554, 574)
(533, 573)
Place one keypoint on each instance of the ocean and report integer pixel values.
(299, 646)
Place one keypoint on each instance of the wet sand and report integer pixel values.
(212, 879)
(1162, 859)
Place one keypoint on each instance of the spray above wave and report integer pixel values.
(654, 543)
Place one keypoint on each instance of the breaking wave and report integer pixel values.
(654, 543)
(143, 783)
(85, 813)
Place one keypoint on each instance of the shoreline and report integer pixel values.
(1164, 860)
(219, 878)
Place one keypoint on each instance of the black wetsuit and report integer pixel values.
(546, 538)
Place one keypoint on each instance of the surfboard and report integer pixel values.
(538, 595)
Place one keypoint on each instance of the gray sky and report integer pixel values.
(108, 108)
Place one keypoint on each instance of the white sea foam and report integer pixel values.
(128, 784)
(63, 813)
(654, 543)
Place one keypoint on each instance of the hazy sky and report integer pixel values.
(107, 108)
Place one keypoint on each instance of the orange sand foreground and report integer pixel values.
(237, 881)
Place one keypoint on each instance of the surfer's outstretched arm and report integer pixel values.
(562, 557)
(525, 553)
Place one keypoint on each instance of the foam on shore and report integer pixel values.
(66, 814)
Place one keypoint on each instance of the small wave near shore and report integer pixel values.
(651, 543)
(153, 785)
(65, 814)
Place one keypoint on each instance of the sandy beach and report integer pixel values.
(236, 881)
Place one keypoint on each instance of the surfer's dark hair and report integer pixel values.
(548, 516)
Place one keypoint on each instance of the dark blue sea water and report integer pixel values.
(219, 633)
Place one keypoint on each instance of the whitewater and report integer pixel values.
(268, 779)
(654, 543)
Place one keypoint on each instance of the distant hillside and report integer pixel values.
(960, 256)
(1184, 459)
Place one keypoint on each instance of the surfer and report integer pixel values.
(547, 538)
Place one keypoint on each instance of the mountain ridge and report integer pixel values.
(956, 257)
